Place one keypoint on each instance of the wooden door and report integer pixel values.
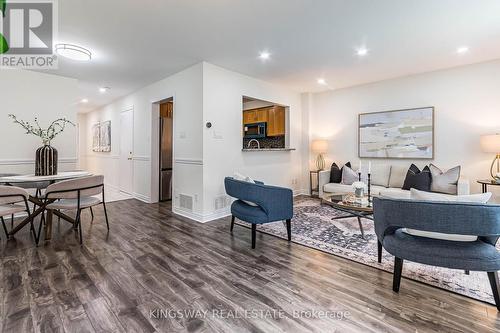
(126, 152)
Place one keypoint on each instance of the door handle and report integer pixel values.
(130, 158)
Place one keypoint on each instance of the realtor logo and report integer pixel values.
(27, 32)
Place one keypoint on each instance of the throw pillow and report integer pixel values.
(398, 174)
(380, 175)
(482, 198)
(336, 173)
(349, 176)
(444, 182)
(420, 180)
(240, 177)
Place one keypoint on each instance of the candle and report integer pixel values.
(370, 167)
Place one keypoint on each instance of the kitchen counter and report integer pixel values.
(268, 149)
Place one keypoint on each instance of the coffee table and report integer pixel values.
(344, 203)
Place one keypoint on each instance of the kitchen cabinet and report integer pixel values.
(276, 121)
(255, 116)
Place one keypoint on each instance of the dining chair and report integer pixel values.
(76, 194)
(14, 200)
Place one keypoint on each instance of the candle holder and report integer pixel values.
(369, 190)
(359, 176)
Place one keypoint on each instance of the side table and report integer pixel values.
(485, 182)
(314, 188)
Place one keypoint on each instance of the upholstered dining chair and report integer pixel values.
(481, 220)
(258, 204)
(77, 194)
(14, 200)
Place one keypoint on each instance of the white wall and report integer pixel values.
(466, 101)
(28, 95)
(186, 88)
(222, 143)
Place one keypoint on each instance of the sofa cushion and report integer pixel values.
(349, 176)
(444, 182)
(338, 188)
(380, 175)
(420, 180)
(458, 255)
(335, 173)
(395, 193)
(398, 175)
(429, 196)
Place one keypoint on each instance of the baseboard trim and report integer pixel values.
(141, 197)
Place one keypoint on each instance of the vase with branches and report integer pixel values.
(46, 156)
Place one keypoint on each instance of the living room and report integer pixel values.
(340, 174)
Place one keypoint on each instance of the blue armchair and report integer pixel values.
(391, 215)
(273, 204)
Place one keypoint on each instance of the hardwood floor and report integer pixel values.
(153, 260)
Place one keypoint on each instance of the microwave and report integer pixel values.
(255, 131)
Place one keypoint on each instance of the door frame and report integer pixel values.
(128, 109)
(155, 148)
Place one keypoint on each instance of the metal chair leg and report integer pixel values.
(78, 223)
(4, 227)
(91, 213)
(11, 222)
(105, 214)
(232, 222)
(254, 234)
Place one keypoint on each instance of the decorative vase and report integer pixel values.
(46, 161)
(358, 192)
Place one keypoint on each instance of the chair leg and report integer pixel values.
(91, 213)
(379, 251)
(11, 222)
(495, 287)
(232, 222)
(289, 229)
(398, 269)
(254, 234)
(42, 222)
(78, 223)
(105, 214)
(4, 227)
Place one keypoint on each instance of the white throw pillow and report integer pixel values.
(349, 176)
(398, 175)
(444, 181)
(429, 196)
(240, 177)
(380, 175)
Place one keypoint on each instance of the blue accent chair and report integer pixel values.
(390, 215)
(274, 204)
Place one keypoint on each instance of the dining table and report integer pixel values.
(39, 202)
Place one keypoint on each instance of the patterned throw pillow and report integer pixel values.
(444, 182)
(419, 180)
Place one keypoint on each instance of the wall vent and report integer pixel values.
(186, 202)
(222, 202)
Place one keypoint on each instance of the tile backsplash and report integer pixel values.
(268, 142)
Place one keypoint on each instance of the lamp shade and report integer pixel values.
(490, 143)
(319, 146)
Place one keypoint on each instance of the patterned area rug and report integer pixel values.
(312, 226)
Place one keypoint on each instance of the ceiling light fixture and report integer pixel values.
(362, 51)
(84, 100)
(73, 52)
(264, 55)
(462, 50)
(103, 90)
(322, 81)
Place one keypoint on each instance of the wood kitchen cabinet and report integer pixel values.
(255, 116)
(276, 121)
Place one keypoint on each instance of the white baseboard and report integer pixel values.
(141, 197)
(300, 192)
(202, 218)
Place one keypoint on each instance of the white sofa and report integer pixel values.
(387, 180)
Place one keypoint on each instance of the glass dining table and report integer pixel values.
(39, 203)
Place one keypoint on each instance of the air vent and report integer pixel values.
(186, 202)
(222, 202)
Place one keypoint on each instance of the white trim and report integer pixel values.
(141, 197)
(107, 156)
(188, 161)
(141, 158)
(190, 215)
(31, 161)
(202, 218)
(301, 192)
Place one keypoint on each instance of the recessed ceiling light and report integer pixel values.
(264, 55)
(84, 100)
(73, 52)
(102, 90)
(322, 81)
(362, 51)
(462, 50)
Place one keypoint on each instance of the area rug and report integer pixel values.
(313, 226)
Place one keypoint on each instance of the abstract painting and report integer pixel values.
(397, 134)
(101, 137)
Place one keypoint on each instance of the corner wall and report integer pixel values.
(28, 95)
(467, 105)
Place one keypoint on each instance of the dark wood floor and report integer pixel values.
(154, 260)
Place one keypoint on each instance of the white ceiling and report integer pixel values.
(139, 42)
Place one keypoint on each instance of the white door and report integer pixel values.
(126, 151)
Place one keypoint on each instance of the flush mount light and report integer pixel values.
(322, 81)
(462, 50)
(103, 90)
(84, 101)
(264, 55)
(73, 52)
(362, 51)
